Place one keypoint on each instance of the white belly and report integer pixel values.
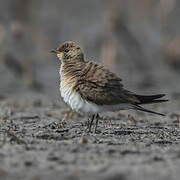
(79, 105)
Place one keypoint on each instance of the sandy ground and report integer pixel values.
(38, 141)
(140, 42)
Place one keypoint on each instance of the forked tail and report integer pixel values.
(149, 100)
(137, 107)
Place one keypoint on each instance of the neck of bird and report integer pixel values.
(72, 68)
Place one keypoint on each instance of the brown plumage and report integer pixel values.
(92, 83)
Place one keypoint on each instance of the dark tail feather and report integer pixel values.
(146, 110)
(155, 101)
(150, 99)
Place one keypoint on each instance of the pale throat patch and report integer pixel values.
(60, 55)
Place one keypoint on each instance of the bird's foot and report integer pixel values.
(62, 124)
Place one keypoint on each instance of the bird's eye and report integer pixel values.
(66, 50)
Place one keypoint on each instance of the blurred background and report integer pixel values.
(139, 40)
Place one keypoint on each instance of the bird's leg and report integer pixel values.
(68, 114)
(90, 123)
(97, 119)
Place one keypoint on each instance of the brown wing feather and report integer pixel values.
(98, 85)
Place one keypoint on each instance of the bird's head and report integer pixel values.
(69, 51)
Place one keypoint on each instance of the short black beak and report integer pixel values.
(53, 51)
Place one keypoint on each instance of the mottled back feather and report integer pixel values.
(97, 84)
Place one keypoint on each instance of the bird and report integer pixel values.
(89, 88)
